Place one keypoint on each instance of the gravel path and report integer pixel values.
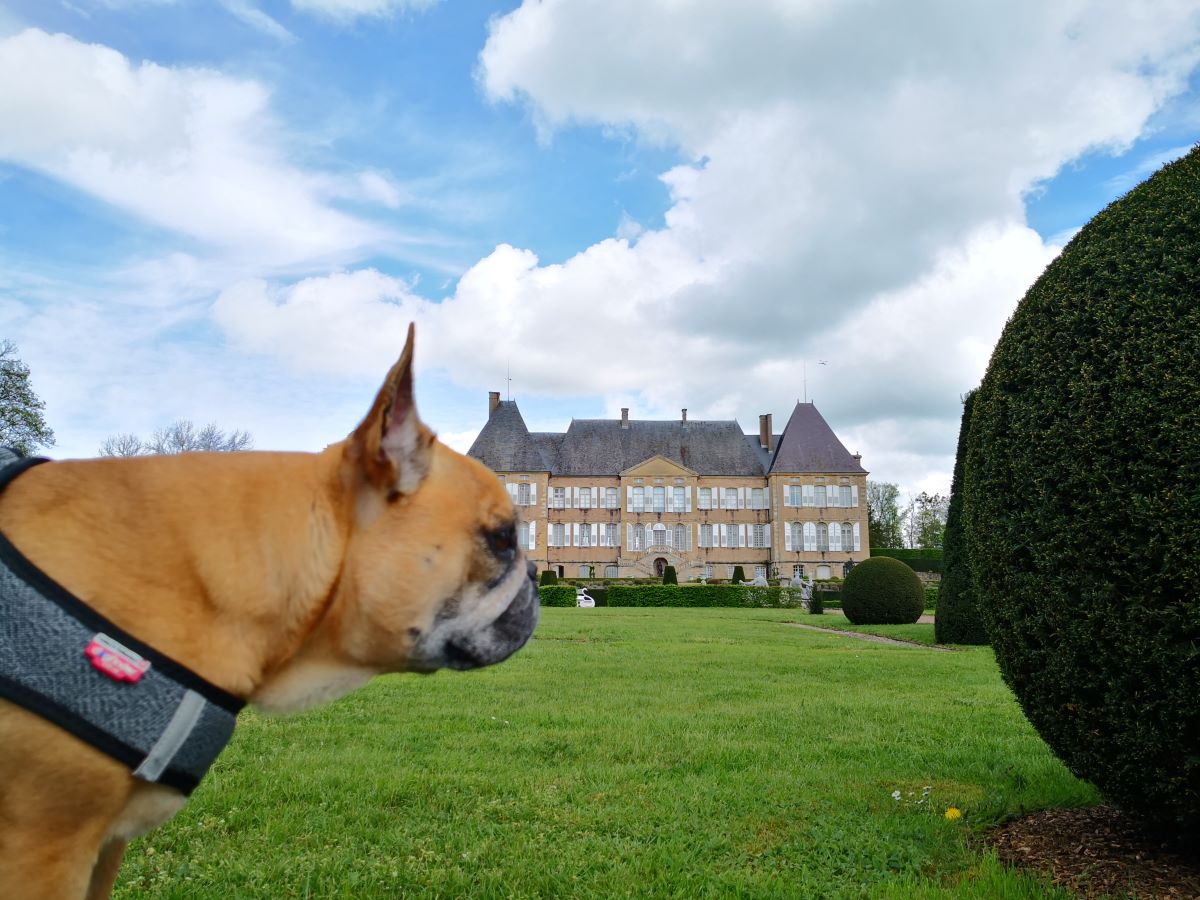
(873, 638)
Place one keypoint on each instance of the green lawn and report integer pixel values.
(627, 752)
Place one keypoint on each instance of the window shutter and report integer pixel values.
(857, 540)
(687, 492)
(787, 535)
(741, 535)
(533, 493)
(834, 495)
(787, 496)
(649, 536)
(810, 536)
(533, 535)
(854, 495)
(767, 535)
(512, 492)
(629, 537)
(835, 536)
(808, 495)
(720, 537)
(670, 538)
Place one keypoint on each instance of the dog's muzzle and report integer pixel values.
(459, 644)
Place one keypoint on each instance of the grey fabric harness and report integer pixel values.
(61, 659)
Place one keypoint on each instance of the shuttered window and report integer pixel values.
(706, 535)
(585, 498)
(660, 499)
(558, 498)
(705, 498)
(681, 537)
(731, 536)
(523, 495)
(822, 536)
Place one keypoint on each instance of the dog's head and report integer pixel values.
(434, 576)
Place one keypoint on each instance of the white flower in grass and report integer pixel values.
(896, 796)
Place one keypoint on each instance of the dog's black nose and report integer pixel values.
(532, 569)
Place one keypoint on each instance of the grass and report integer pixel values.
(627, 752)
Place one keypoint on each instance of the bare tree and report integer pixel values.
(122, 445)
(181, 436)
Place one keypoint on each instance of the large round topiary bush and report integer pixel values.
(882, 591)
(957, 620)
(1083, 500)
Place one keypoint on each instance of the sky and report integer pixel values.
(230, 210)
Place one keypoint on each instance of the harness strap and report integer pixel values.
(66, 662)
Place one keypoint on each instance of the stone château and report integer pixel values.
(622, 498)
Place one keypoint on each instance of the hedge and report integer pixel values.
(704, 595)
(958, 620)
(1083, 500)
(919, 560)
(556, 595)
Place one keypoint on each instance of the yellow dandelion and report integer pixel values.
(953, 814)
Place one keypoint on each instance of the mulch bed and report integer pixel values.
(1096, 852)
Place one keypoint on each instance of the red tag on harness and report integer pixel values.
(115, 660)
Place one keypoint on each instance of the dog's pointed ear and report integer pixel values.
(392, 446)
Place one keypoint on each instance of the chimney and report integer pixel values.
(493, 402)
(764, 431)
(624, 416)
(685, 415)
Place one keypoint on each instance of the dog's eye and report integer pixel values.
(502, 542)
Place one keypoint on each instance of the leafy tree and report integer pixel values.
(883, 514)
(22, 425)
(180, 437)
(924, 521)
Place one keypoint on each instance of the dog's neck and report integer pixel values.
(243, 550)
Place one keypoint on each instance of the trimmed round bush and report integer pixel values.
(1082, 498)
(549, 577)
(882, 591)
(958, 620)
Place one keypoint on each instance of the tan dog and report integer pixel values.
(286, 579)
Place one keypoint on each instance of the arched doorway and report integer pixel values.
(660, 566)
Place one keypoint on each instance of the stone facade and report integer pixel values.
(624, 498)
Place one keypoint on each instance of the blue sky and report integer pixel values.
(229, 211)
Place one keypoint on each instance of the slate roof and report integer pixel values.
(808, 444)
(505, 445)
(603, 447)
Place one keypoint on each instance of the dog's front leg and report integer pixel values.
(104, 875)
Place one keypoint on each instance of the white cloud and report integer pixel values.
(348, 10)
(855, 194)
(249, 14)
(188, 149)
